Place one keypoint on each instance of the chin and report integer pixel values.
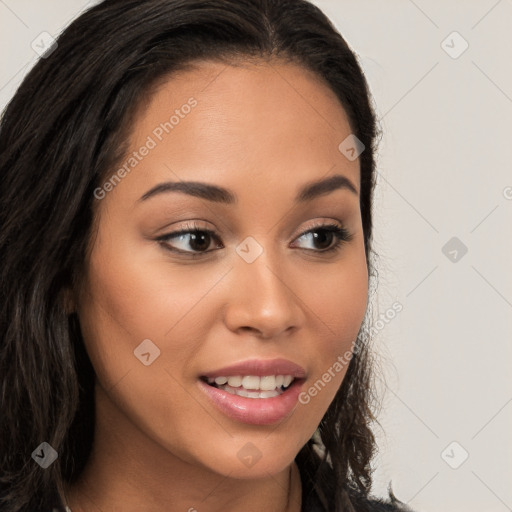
(247, 461)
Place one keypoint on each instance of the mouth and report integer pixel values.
(267, 398)
(252, 386)
(257, 392)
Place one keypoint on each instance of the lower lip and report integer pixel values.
(256, 411)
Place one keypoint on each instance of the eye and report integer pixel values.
(329, 236)
(197, 238)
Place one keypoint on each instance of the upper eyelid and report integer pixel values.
(195, 228)
(326, 225)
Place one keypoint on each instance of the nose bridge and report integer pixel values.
(261, 297)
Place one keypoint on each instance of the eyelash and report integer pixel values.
(341, 234)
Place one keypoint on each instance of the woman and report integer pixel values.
(186, 258)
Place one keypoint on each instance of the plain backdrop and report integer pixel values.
(441, 80)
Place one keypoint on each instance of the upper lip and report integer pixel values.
(260, 368)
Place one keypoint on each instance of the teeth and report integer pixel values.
(251, 394)
(268, 383)
(252, 383)
(235, 382)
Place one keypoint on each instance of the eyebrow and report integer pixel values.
(308, 192)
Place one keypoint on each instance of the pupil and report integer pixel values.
(316, 236)
(194, 239)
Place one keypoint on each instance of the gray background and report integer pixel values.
(444, 171)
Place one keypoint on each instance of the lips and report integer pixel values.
(260, 368)
(260, 392)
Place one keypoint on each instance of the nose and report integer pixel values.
(262, 299)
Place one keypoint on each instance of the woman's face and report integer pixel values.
(161, 312)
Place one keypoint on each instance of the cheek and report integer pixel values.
(338, 304)
(117, 314)
(132, 296)
(337, 299)
(120, 308)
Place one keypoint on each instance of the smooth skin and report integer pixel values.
(261, 130)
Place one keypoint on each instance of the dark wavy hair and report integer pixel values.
(61, 135)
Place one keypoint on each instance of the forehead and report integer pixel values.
(250, 126)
